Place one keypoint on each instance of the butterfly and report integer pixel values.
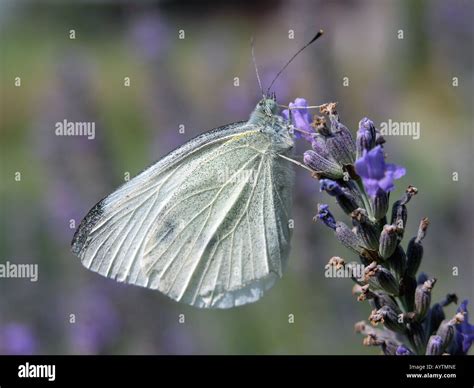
(204, 238)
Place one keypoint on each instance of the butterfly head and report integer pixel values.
(266, 108)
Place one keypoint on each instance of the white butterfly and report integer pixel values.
(180, 228)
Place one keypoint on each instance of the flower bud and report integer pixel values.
(348, 238)
(379, 204)
(410, 192)
(383, 299)
(380, 277)
(416, 336)
(398, 262)
(423, 298)
(399, 217)
(415, 249)
(435, 346)
(446, 333)
(446, 329)
(366, 136)
(387, 281)
(414, 254)
(388, 241)
(341, 146)
(363, 292)
(365, 229)
(325, 167)
(344, 197)
(389, 318)
(407, 289)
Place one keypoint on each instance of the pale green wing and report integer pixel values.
(206, 225)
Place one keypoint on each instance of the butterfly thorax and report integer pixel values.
(265, 117)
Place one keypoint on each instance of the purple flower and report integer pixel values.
(331, 187)
(402, 350)
(326, 216)
(300, 118)
(17, 338)
(465, 331)
(375, 173)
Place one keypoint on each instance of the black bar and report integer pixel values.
(134, 371)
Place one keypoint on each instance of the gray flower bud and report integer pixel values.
(415, 249)
(340, 145)
(435, 346)
(387, 281)
(389, 318)
(416, 336)
(407, 289)
(348, 238)
(380, 204)
(399, 217)
(380, 277)
(365, 229)
(398, 262)
(382, 299)
(447, 328)
(423, 298)
(325, 167)
(388, 241)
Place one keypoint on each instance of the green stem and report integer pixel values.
(366, 200)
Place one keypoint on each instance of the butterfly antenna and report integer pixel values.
(318, 35)
(255, 65)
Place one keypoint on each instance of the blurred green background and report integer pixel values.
(190, 82)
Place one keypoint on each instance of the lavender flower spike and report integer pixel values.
(358, 177)
(375, 173)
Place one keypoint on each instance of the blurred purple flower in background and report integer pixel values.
(17, 338)
(375, 173)
(149, 36)
(96, 324)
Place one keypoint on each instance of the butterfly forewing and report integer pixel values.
(206, 225)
